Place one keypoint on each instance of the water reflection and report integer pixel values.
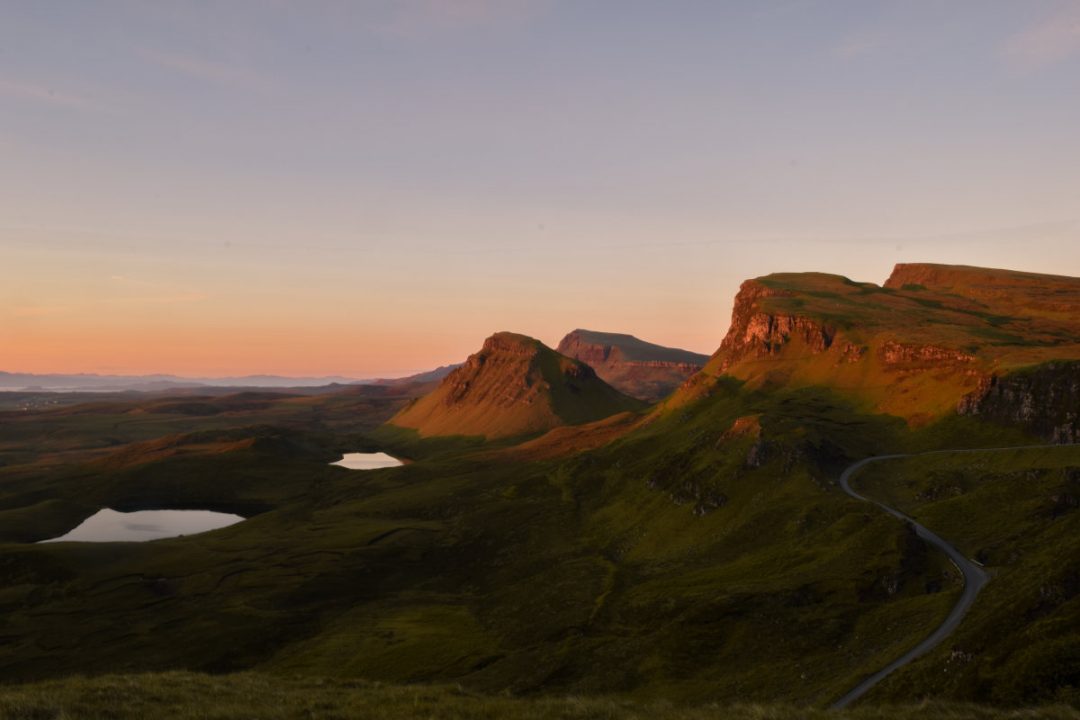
(108, 525)
(367, 461)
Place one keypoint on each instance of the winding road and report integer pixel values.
(974, 576)
(974, 579)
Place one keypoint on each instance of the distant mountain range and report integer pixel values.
(640, 369)
(89, 382)
(933, 340)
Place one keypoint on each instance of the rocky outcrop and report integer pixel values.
(756, 332)
(638, 368)
(1044, 399)
(894, 353)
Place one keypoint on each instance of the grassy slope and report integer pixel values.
(60, 435)
(1001, 328)
(59, 465)
(187, 696)
(1018, 512)
(704, 556)
(652, 568)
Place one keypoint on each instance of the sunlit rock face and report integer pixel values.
(515, 385)
(934, 339)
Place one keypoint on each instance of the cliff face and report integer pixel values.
(638, 368)
(1044, 399)
(757, 331)
(915, 347)
(514, 385)
(894, 353)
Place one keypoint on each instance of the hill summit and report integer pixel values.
(515, 385)
(638, 368)
(933, 340)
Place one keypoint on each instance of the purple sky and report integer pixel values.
(371, 188)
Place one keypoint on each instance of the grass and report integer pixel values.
(875, 339)
(250, 696)
(652, 568)
(1018, 512)
(700, 554)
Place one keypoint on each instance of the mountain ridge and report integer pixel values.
(638, 368)
(911, 349)
(515, 385)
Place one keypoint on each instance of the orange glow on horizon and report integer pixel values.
(219, 352)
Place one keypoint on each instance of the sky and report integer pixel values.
(370, 188)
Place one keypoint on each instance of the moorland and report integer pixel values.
(551, 536)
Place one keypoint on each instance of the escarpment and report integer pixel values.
(757, 332)
(1044, 399)
(917, 347)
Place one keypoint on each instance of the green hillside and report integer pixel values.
(1019, 513)
(700, 553)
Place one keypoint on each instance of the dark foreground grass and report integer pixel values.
(185, 696)
(1017, 512)
(707, 557)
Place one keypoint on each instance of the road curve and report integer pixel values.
(974, 576)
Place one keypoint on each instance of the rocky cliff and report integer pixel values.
(1044, 399)
(638, 368)
(916, 347)
(759, 330)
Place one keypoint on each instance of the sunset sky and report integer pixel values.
(370, 188)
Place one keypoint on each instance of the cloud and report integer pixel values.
(45, 94)
(219, 73)
(1048, 42)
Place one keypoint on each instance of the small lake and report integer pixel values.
(367, 461)
(108, 525)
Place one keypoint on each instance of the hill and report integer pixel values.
(700, 553)
(515, 385)
(431, 376)
(933, 340)
(638, 368)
